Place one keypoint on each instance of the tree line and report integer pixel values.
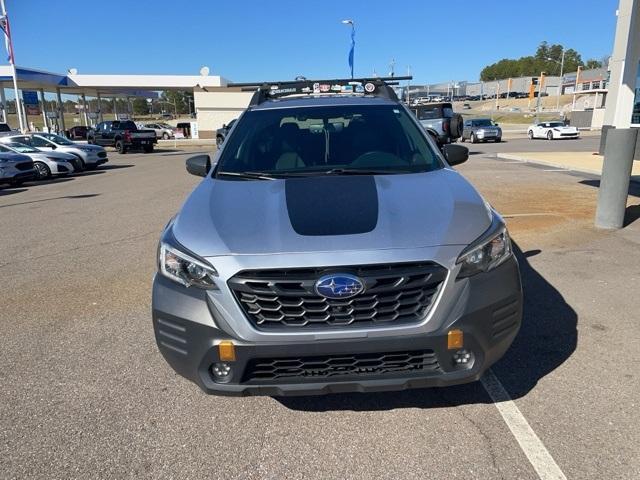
(546, 59)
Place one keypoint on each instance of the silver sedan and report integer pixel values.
(46, 164)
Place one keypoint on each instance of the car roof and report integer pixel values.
(328, 100)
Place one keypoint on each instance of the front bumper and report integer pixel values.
(489, 314)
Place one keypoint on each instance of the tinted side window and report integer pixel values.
(39, 142)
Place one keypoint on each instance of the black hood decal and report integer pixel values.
(332, 205)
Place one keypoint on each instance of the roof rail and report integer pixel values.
(374, 86)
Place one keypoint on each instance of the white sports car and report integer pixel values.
(552, 131)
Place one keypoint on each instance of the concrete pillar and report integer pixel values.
(84, 110)
(44, 110)
(624, 65)
(616, 174)
(60, 110)
(100, 107)
(3, 99)
(115, 108)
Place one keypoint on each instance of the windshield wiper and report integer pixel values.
(250, 175)
(363, 171)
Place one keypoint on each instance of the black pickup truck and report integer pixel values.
(123, 135)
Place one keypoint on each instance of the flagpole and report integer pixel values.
(9, 45)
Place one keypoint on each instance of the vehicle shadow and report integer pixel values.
(11, 190)
(547, 338)
(48, 181)
(70, 197)
(102, 168)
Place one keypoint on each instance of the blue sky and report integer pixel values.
(279, 39)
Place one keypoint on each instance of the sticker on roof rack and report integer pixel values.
(369, 87)
(346, 88)
(280, 91)
(316, 88)
(324, 88)
(359, 88)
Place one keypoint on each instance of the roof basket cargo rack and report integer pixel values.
(375, 86)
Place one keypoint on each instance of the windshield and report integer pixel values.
(485, 122)
(322, 139)
(554, 124)
(57, 139)
(123, 125)
(22, 148)
(4, 127)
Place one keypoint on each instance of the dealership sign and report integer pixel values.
(30, 100)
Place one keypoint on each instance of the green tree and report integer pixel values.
(547, 58)
(140, 106)
(593, 63)
(176, 101)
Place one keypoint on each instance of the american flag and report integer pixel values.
(4, 25)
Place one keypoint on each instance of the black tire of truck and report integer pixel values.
(120, 147)
(148, 149)
(455, 125)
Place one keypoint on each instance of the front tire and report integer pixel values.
(148, 149)
(474, 139)
(120, 147)
(165, 136)
(219, 141)
(530, 134)
(549, 135)
(42, 171)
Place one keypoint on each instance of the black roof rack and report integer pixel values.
(374, 86)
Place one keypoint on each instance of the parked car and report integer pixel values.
(466, 106)
(87, 156)
(162, 130)
(319, 255)
(5, 129)
(222, 133)
(15, 169)
(440, 121)
(124, 135)
(79, 132)
(481, 130)
(46, 164)
(552, 131)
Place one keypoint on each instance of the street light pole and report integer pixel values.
(353, 43)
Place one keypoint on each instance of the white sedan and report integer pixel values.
(552, 131)
(46, 164)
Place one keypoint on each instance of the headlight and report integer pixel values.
(490, 251)
(184, 268)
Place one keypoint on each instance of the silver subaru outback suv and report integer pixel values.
(330, 247)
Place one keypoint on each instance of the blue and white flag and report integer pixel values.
(353, 46)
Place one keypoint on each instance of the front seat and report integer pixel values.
(289, 158)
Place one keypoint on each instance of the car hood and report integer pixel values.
(331, 213)
(10, 157)
(82, 146)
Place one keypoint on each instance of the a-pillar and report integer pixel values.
(60, 110)
(44, 111)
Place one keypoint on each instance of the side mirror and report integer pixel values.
(496, 124)
(199, 165)
(53, 147)
(455, 154)
(224, 126)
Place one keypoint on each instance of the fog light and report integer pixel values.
(221, 371)
(462, 357)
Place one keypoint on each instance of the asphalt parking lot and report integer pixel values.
(84, 392)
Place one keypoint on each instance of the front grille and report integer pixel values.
(347, 365)
(24, 166)
(102, 154)
(62, 169)
(284, 299)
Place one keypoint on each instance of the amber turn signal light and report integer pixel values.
(455, 339)
(227, 351)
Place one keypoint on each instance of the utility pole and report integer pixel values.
(9, 44)
(561, 82)
(575, 88)
(540, 84)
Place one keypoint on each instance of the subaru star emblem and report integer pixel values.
(339, 285)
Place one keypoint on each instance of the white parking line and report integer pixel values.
(555, 169)
(539, 457)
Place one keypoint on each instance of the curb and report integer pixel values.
(507, 156)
